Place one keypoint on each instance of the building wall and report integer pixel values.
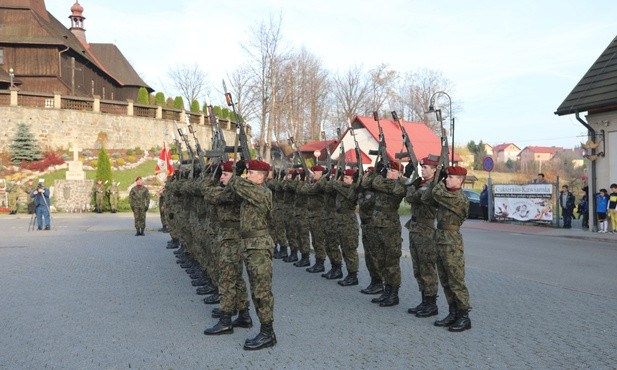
(606, 167)
(61, 128)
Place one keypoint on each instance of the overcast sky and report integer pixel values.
(512, 63)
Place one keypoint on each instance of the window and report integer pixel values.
(1, 56)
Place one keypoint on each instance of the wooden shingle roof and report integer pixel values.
(597, 90)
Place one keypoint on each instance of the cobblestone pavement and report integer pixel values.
(89, 294)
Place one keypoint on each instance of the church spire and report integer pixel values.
(77, 22)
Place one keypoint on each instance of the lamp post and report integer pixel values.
(431, 109)
(11, 76)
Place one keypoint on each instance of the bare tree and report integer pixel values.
(381, 88)
(350, 91)
(190, 81)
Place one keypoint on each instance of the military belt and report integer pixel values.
(448, 227)
(254, 233)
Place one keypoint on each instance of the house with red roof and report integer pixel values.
(503, 152)
(538, 153)
(366, 130)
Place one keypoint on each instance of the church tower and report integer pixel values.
(77, 22)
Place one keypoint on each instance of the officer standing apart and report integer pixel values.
(99, 193)
(139, 199)
(41, 205)
(452, 209)
(257, 245)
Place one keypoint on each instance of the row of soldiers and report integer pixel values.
(99, 190)
(13, 191)
(321, 207)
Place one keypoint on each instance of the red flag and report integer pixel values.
(164, 162)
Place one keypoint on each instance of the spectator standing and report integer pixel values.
(540, 179)
(601, 207)
(612, 207)
(566, 202)
(484, 202)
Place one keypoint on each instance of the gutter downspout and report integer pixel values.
(60, 61)
(591, 199)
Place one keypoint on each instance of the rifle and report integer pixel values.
(185, 138)
(358, 152)
(340, 165)
(178, 146)
(219, 149)
(443, 156)
(200, 152)
(408, 146)
(299, 155)
(381, 152)
(240, 130)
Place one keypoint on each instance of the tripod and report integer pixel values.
(32, 225)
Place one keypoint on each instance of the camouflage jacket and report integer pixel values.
(453, 207)
(314, 193)
(255, 212)
(346, 196)
(388, 196)
(226, 206)
(422, 211)
(329, 199)
(366, 199)
(139, 198)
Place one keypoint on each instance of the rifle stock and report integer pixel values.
(240, 129)
(408, 146)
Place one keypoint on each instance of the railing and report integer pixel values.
(15, 97)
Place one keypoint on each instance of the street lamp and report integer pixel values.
(431, 109)
(11, 76)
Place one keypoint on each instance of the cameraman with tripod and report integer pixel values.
(41, 205)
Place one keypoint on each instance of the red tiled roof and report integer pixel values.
(543, 149)
(350, 157)
(422, 138)
(318, 145)
(502, 147)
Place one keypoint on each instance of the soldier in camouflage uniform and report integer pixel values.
(366, 205)
(301, 220)
(278, 215)
(452, 209)
(329, 218)
(257, 245)
(386, 237)
(99, 194)
(347, 224)
(314, 190)
(422, 239)
(114, 194)
(12, 191)
(232, 288)
(289, 186)
(28, 188)
(170, 202)
(139, 199)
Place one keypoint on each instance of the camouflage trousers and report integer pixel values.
(331, 240)
(139, 214)
(278, 231)
(318, 235)
(451, 268)
(212, 257)
(232, 288)
(171, 219)
(258, 262)
(113, 201)
(371, 255)
(301, 233)
(99, 201)
(290, 231)
(387, 244)
(199, 239)
(348, 230)
(423, 258)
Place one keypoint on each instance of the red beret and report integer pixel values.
(394, 165)
(350, 172)
(429, 162)
(299, 170)
(227, 166)
(456, 170)
(291, 171)
(256, 165)
(318, 168)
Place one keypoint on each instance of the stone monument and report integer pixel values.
(76, 168)
(75, 193)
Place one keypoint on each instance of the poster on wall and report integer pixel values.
(527, 203)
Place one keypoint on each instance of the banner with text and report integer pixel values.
(529, 203)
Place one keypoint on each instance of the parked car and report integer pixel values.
(475, 211)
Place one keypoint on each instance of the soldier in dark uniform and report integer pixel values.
(301, 220)
(257, 245)
(422, 239)
(347, 224)
(314, 191)
(366, 204)
(329, 218)
(386, 238)
(290, 225)
(452, 209)
(139, 199)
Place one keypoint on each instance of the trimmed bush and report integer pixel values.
(139, 151)
(129, 152)
(159, 99)
(131, 159)
(94, 163)
(120, 162)
(142, 96)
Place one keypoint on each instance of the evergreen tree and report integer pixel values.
(478, 152)
(178, 102)
(159, 99)
(142, 96)
(103, 173)
(25, 147)
(194, 106)
(169, 103)
(151, 99)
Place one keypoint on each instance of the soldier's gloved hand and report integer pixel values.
(379, 167)
(384, 172)
(240, 167)
(442, 174)
(218, 171)
(356, 176)
(294, 175)
(302, 175)
(416, 183)
(409, 168)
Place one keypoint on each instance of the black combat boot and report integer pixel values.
(282, 253)
(384, 295)
(350, 279)
(180, 251)
(206, 289)
(276, 251)
(266, 338)
(188, 264)
(216, 313)
(430, 308)
(174, 244)
(317, 267)
(243, 320)
(391, 299)
(221, 327)
(213, 299)
(448, 320)
(200, 281)
(462, 323)
(142, 231)
(304, 261)
(414, 310)
(375, 287)
(293, 257)
(335, 272)
(137, 233)
(196, 274)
